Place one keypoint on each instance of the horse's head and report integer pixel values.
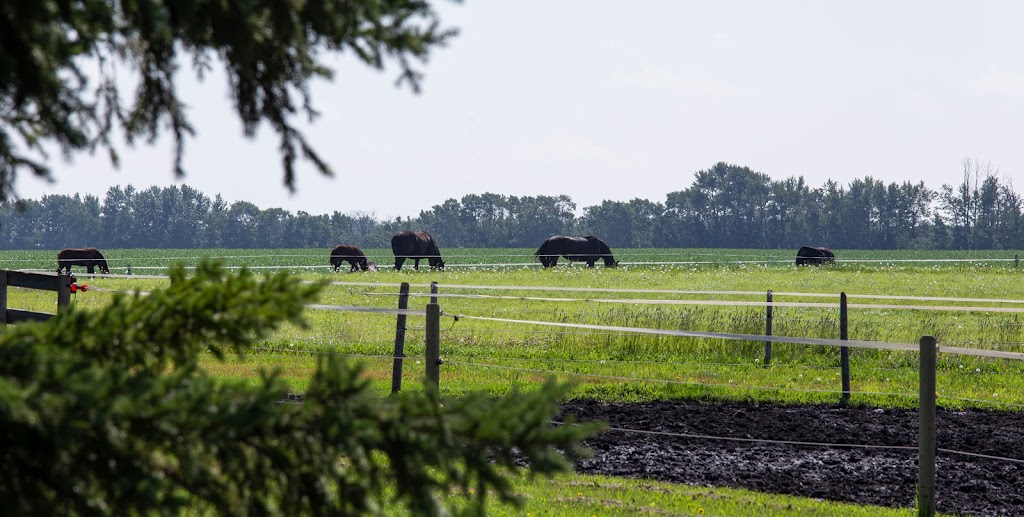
(606, 252)
(436, 263)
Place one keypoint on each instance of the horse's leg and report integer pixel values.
(90, 268)
(416, 265)
(398, 263)
(590, 263)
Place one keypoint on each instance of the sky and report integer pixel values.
(602, 100)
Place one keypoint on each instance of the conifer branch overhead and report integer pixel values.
(59, 65)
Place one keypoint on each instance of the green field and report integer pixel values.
(154, 260)
(724, 297)
(965, 299)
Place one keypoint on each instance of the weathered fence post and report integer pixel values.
(433, 346)
(396, 368)
(926, 437)
(64, 291)
(844, 351)
(768, 330)
(3, 297)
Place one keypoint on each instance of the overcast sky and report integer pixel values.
(619, 100)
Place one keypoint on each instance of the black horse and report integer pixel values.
(88, 257)
(807, 255)
(353, 255)
(415, 245)
(587, 249)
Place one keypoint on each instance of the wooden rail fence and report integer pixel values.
(59, 282)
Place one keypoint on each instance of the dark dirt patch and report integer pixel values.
(888, 477)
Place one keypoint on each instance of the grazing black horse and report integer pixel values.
(88, 257)
(807, 255)
(587, 249)
(353, 255)
(415, 245)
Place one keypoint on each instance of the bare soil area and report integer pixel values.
(966, 485)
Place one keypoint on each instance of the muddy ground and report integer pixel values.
(965, 485)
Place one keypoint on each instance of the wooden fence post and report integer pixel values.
(64, 282)
(844, 351)
(926, 436)
(433, 345)
(3, 297)
(396, 368)
(768, 330)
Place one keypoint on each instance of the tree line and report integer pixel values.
(726, 206)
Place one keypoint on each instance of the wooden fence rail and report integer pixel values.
(59, 282)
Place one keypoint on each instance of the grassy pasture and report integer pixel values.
(707, 290)
(154, 260)
(494, 356)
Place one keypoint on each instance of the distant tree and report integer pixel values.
(149, 226)
(365, 230)
(487, 217)
(242, 225)
(916, 217)
(611, 221)
(119, 217)
(963, 208)
(185, 211)
(63, 67)
(67, 221)
(271, 229)
(445, 222)
(726, 206)
(791, 213)
(217, 223)
(645, 218)
(635, 224)
(540, 217)
(685, 219)
(22, 225)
